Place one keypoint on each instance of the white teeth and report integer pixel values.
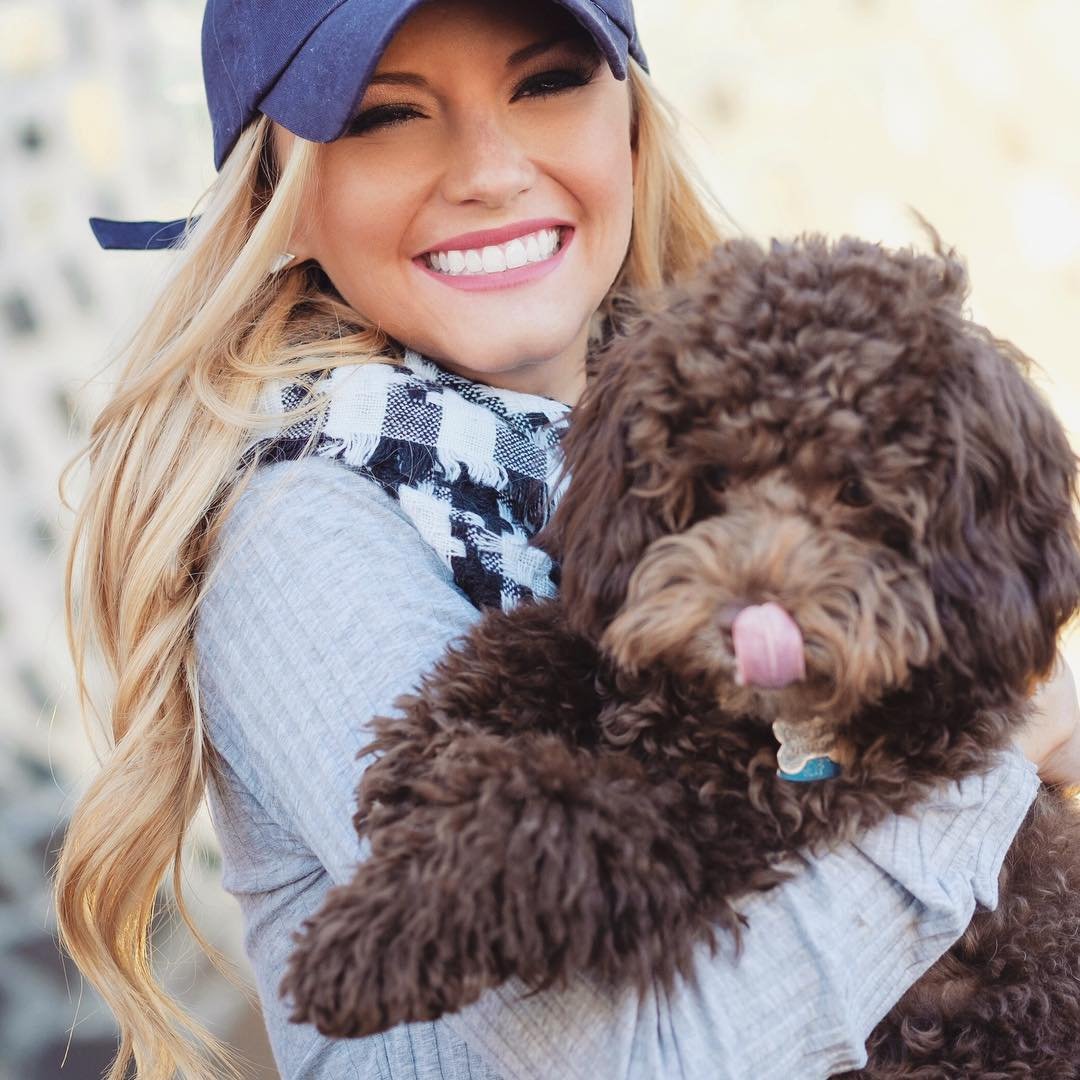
(497, 258)
(494, 260)
(515, 255)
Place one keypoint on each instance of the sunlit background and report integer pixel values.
(831, 115)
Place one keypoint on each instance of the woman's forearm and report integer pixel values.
(825, 956)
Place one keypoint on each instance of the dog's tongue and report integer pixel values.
(768, 647)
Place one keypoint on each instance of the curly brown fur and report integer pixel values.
(583, 784)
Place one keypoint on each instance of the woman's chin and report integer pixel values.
(506, 360)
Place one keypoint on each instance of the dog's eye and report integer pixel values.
(717, 477)
(852, 493)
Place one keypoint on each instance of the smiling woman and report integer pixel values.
(484, 123)
(477, 195)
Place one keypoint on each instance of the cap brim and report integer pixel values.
(316, 96)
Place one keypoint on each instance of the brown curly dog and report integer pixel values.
(809, 499)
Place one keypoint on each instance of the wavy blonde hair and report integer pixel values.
(163, 474)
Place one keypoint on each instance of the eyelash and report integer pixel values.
(383, 116)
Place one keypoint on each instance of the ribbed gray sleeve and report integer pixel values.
(324, 605)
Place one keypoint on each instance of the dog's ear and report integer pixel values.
(644, 437)
(618, 499)
(1004, 547)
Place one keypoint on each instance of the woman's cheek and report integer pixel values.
(603, 164)
(594, 147)
(365, 229)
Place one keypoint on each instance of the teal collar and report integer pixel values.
(819, 768)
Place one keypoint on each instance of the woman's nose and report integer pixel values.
(487, 164)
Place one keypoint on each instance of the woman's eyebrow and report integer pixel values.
(397, 78)
(407, 78)
(539, 47)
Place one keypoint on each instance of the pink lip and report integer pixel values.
(501, 235)
(504, 280)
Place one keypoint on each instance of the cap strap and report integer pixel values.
(138, 235)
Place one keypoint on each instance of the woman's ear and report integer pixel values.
(299, 245)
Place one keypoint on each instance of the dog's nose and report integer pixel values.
(769, 650)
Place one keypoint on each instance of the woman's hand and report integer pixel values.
(1051, 739)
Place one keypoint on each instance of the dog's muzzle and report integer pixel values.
(766, 603)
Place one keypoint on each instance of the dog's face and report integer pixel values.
(809, 481)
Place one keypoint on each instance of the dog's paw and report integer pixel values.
(375, 956)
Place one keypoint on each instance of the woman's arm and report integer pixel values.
(826, 955)
(329, 604)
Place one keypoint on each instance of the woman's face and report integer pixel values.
(482, 115)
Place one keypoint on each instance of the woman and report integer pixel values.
(254, 618)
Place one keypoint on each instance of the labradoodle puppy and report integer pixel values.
(818, 520)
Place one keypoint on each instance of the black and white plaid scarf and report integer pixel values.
(476, 467)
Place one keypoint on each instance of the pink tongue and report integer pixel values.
(768, 647)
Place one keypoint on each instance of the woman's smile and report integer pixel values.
(527, 257)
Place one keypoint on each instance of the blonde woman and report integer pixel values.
(437, 213)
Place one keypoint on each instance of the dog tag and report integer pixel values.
(806, 749)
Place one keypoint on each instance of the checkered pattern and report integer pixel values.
(476, 467)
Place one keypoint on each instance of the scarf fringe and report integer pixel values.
(355, 450)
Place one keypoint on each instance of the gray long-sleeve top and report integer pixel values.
(323, 605)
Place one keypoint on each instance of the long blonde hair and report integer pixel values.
(163, 474)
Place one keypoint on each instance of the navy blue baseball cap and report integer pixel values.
(306, 64)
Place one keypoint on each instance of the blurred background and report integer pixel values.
(830, 115)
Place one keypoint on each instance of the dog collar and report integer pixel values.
(819, 768)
